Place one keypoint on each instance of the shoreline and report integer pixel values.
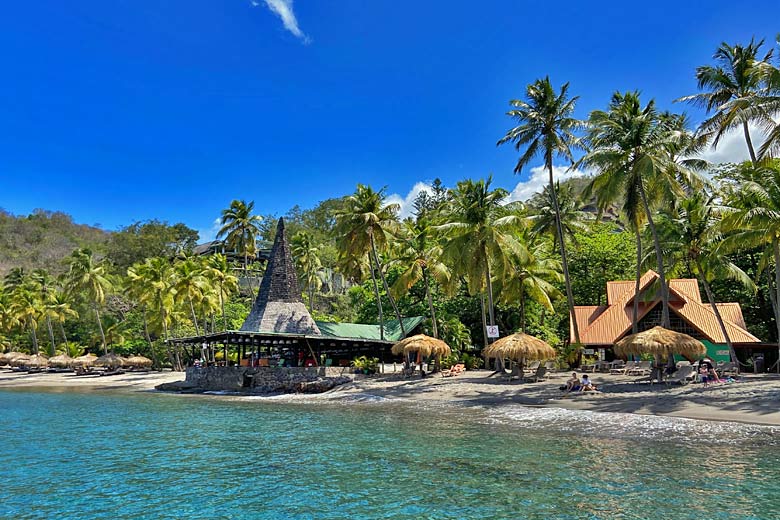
(753, 400)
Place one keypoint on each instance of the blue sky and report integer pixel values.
(125, 110)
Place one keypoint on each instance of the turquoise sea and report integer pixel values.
(90, 455)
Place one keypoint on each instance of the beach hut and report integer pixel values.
(110, 361)
(138, 362)
(84, 361)
(61, 361)
(520, 347)
(661, 343)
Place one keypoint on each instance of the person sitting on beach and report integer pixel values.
(587, 385)
(573, 384)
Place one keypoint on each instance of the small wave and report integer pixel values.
(628, 425)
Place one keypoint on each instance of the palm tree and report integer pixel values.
(8, 318)
(633, 150)
(45, 284)
(189, 283)
(546, 125)
(479, 235)
(88, 278)
(363, 226)
(241, 229)
(57, 308)
(218, 272)
(420, 256)
(692, 235)
(309, 264)
(544, 221)
(730, 91)
(753, 218)
(26, 306)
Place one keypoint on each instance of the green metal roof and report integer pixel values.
(369, 332)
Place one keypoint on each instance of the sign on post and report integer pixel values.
(492, 331)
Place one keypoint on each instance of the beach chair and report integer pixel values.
(682, 376)
(642, 368)
(540, 375)
(532, 367)
(550, 366)
(623, 368)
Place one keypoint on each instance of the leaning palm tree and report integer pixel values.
(241, 229)
(45, 283)
(58, 309)
(730, 91)
(364, 227)
(633, 150)
(546, 126)
(543, 218)
(189, 282)
(479, 236)
(88, 277)
(420, 256)
(224, 283)
(692, 235)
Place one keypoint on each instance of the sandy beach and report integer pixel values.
(754, 399)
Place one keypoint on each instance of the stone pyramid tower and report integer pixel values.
(278, 307)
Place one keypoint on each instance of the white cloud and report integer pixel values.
(407, 202)
(209, 234)
(732, 147)
(540, 178)
(284, 10)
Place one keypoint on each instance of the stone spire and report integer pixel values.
(278, 307)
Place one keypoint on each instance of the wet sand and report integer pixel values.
(754, 399)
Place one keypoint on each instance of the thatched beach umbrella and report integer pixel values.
(19, 361)
(8, 357)
(86, 360)
(110, 360)
(520, 347)
(661, 342)
(37, 361)
(425, 345)
(138, 362)
(61, 361)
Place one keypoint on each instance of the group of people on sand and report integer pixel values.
(707, 373)
(575, 384)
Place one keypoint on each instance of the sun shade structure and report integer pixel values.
(8, 357)
(138, 362)
(86, 360)
(110, 360)
(425, 345)
(659, 341)
(519, 347)
(61, 361)
(19, 361)
(37, 361)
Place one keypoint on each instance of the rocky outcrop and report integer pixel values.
(261, 380)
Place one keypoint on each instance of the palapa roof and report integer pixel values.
(519, 346)
(659, 341)
(606, 324)
(425, 345)
(278, 306)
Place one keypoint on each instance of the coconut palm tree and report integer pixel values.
(633, 150)
(546, 126)
(543, 217)
(189, 283)
(753, 218)
(309, 264)
(241, 229)
(8, 318)
(478, 231)
(420, 256)
(26, 306)
(45, 284)
(730, 90)
(691, 232)
(87, 277)
(364, 226)
(218, 273)
(58, 309)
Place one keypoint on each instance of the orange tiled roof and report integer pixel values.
(605, 325)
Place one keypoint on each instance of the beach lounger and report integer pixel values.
(642, 368)
(532, 367)
(682, 376)
(623, 368)
(541, 374)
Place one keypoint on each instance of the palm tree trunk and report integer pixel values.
(635, 317)
(33, 335)
(721, 324)
(378, 305)
(484, 320)
(489, 285)
(62, 331)
(51, 336)
(387, 289)
(564, 260)
(773, 300)
(430, 303)
(100, 327)
(222, 305)
(749, 142)
(776, 248)
(659, 258)
(149, 340)
(194, 318)
(522, 309)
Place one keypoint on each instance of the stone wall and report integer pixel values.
(263, 379)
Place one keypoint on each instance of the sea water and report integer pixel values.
(90, 455)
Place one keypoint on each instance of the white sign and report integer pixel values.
(492, 331)
(588, 351)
